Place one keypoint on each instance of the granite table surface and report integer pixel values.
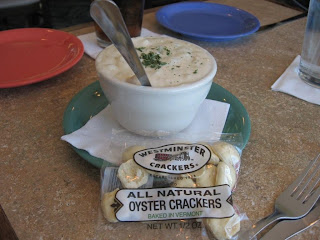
(50, 192)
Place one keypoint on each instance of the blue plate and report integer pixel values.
(207, 21)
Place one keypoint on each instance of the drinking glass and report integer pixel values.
(309, 69)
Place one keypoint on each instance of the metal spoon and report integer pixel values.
(107, 15)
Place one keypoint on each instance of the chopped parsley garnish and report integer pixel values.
(140, 49)
(152, 60)
(195, 71)
(167, 50)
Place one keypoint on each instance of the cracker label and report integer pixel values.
(134, 205)
(173, 158)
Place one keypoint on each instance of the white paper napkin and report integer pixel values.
(103, 137)
(92, 48)
(289, 82)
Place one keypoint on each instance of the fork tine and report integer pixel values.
(306, 190)
(294, 186)
(312, 189)
(313, 197)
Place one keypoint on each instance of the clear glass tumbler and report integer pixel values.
(309, 69)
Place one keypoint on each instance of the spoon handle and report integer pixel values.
(107, 15)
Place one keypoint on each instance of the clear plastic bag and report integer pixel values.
(172, 189)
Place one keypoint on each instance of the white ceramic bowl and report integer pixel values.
(152, 111)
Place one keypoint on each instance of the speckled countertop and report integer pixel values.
(49, 192)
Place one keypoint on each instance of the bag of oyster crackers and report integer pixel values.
(172, 191)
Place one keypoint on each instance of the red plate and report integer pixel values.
(31, 55)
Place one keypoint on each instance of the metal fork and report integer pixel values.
(295, 202)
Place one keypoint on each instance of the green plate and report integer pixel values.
(91, 100)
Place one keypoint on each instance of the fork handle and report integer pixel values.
(262, 224)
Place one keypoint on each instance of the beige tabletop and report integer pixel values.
(50, 192)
